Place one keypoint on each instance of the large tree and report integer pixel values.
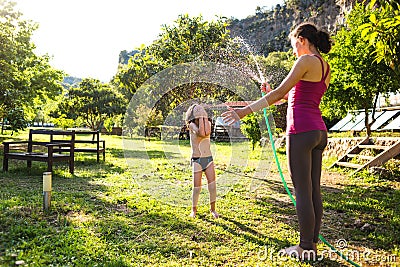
(92, 102)
(382, 32)
(357, 79)
(141, 66)
(24, 76)
(189, 38)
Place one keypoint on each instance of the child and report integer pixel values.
(202, 160)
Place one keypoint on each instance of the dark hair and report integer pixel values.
(320, 39)
(190, 117)
(190, 114)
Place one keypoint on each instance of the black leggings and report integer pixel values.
(304, 152)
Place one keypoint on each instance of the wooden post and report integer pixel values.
(46, 191)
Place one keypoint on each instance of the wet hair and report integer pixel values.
(319, 38)
(190, 114)
(190, 117)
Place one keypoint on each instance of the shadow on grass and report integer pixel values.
(371, 214)
(140, 154)
(239, 229)
(19, 167)
(87, 222)
(366, 217)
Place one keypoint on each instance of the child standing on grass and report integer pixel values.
(201, 160)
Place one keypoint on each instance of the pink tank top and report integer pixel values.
(303, 113)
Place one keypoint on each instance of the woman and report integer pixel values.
(306, 132)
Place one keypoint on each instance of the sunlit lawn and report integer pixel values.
(132, 210)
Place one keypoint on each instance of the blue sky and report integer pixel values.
(84, 37)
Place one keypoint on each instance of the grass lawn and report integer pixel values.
(132, 210)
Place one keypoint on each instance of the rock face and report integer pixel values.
(268, 30)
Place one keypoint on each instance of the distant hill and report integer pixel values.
(268, 30)
(124, 56)
(71, 81)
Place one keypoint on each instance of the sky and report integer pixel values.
(84, 37)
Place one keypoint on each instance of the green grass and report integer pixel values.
(132, 210)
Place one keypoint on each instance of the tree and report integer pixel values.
(140, 67)
(24, 76)
(357, 79)
(188, 39)
(93, 102)
(251, 128)
(382, 32)
(15, 119)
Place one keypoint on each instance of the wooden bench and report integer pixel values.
(43, 151)
(95, 145)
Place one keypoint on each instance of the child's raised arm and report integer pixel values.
(201, 132)
(207, 127)
(203, 129)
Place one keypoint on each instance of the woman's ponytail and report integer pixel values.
(319, 38)
(324, 43)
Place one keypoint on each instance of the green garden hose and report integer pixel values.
(290, 194)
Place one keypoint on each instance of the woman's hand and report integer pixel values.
(233, 115)
(265, 88)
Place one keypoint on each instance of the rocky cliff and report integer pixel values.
(268, 30)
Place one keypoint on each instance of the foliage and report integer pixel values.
(138, 122)
(24, 76)
(356, 78)
(382, 32)
(14, 119)
(139, 69)
(93, 102)
(185, 41)
(63, 122)
(108, 124)
(277, 65)
(251, 128)
(188, 39)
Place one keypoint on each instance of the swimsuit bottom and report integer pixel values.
(203, 161)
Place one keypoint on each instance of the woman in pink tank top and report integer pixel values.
(303, 87)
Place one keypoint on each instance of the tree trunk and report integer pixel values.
(2, 127)
(367, 124)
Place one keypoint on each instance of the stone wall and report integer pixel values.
(339, 146)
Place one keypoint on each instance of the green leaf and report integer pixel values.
(372, 4)
(364, 33)
(372, 37)
(372, 18)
